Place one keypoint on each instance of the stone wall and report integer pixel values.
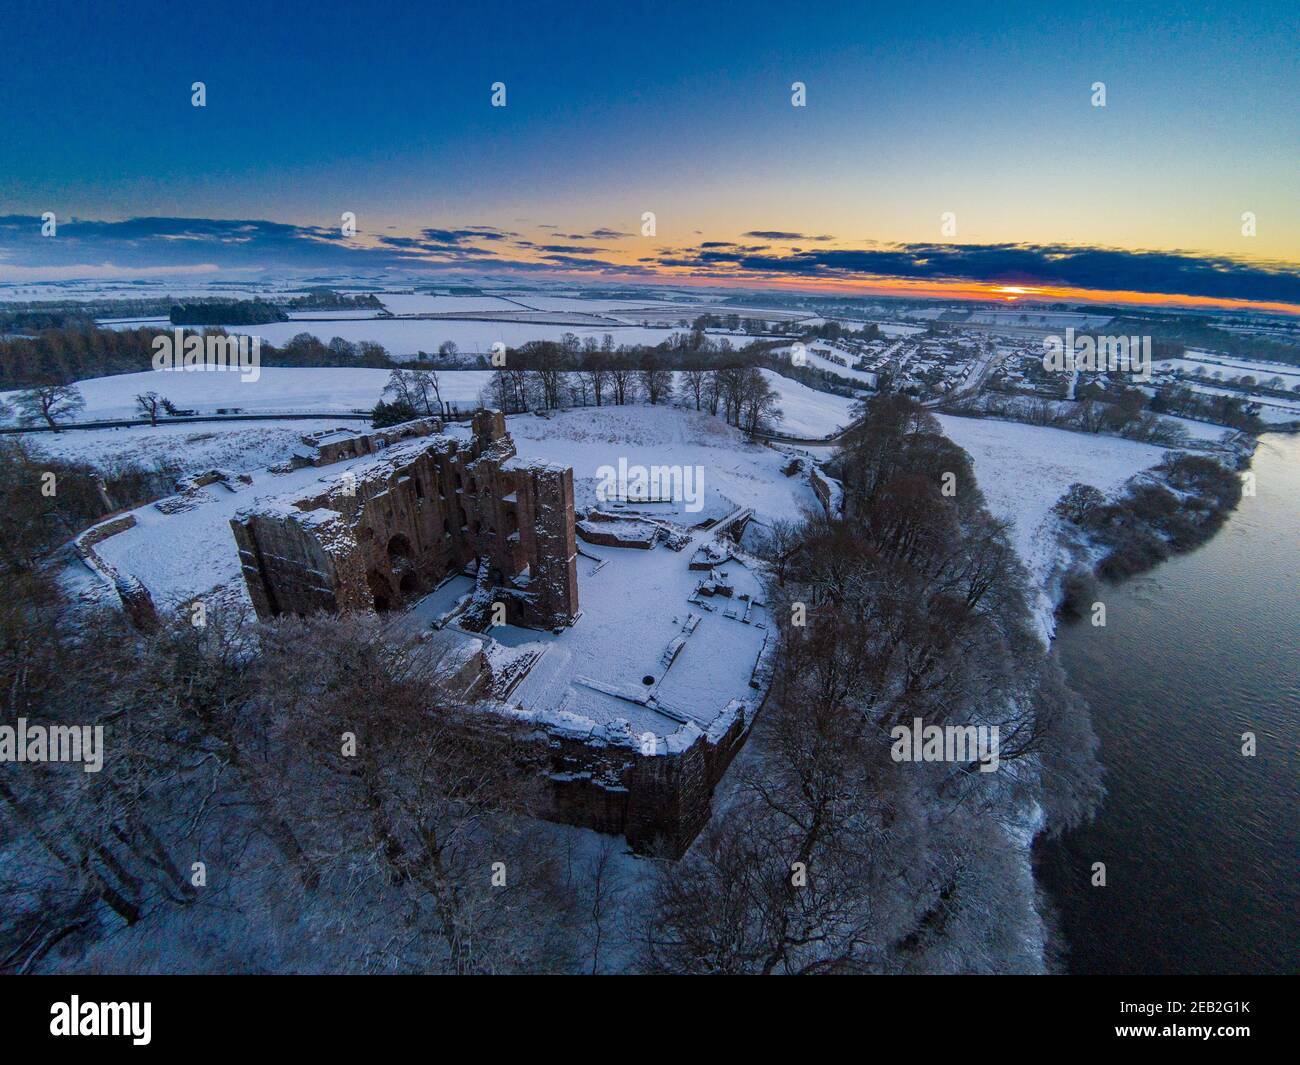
(829, 492)
(136, 600)
(385, 533)
(660, 802)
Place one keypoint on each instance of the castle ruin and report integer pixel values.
(430, 506)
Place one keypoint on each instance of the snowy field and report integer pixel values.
(306, 390)
(806, 411)
(1233, 369)
(864, 378)
(736, 473)
(239, 446)
(278, 390)
(1024, 469)
(406, 337)
(420, 303)
(1267, 401)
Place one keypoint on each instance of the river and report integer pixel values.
(1200, 842)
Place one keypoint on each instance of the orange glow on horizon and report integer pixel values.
(916, 288)
(971, 291)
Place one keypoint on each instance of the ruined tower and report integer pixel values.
(385, 532)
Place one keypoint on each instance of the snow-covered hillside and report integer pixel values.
(736, 473)
(1024, 469)
(287, 390)
(307, 390)
(806, 411)
(239, 446)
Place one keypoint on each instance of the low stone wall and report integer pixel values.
(136, 600)
(618, 532)
(829, 492)
(337, 445)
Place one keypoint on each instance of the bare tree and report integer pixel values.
(48, 403)
(656, 380)
(150, 403)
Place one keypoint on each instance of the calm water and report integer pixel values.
(1200, 843)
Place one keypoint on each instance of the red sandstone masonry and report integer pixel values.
(393, 530)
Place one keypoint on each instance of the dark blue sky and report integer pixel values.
(681, 109)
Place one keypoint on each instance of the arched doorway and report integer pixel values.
(398, 547)
(382, 591)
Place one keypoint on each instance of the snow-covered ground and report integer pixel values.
(1265, 401)
(806, 411)
(278, 390)
(420, 303)
(736, 473)
(406, 337)
(190, 553)
(304, 390)
(620, 648)
(238, 446)
(1232, 370)
(817, 356)
(1024, 469)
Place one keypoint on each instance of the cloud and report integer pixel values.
(1105, 269)
(167, 244)
(566, 248)
(163, 244)
(779, 234)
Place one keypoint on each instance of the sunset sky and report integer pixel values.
(613, 110)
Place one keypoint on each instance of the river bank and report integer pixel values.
(1197, 837)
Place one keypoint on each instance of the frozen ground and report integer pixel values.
(301, 390)
(406, 337)
(735, 473)
(1024, 469)
(816, 358)
(239, 446)
(806, 411)
(278, 390)
(1232, 369)
(619, 645)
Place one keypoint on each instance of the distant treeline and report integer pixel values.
(324, 299)
(226, 312)
(61, 356)
(35, 315)
(35, 321)
(1171, 336)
